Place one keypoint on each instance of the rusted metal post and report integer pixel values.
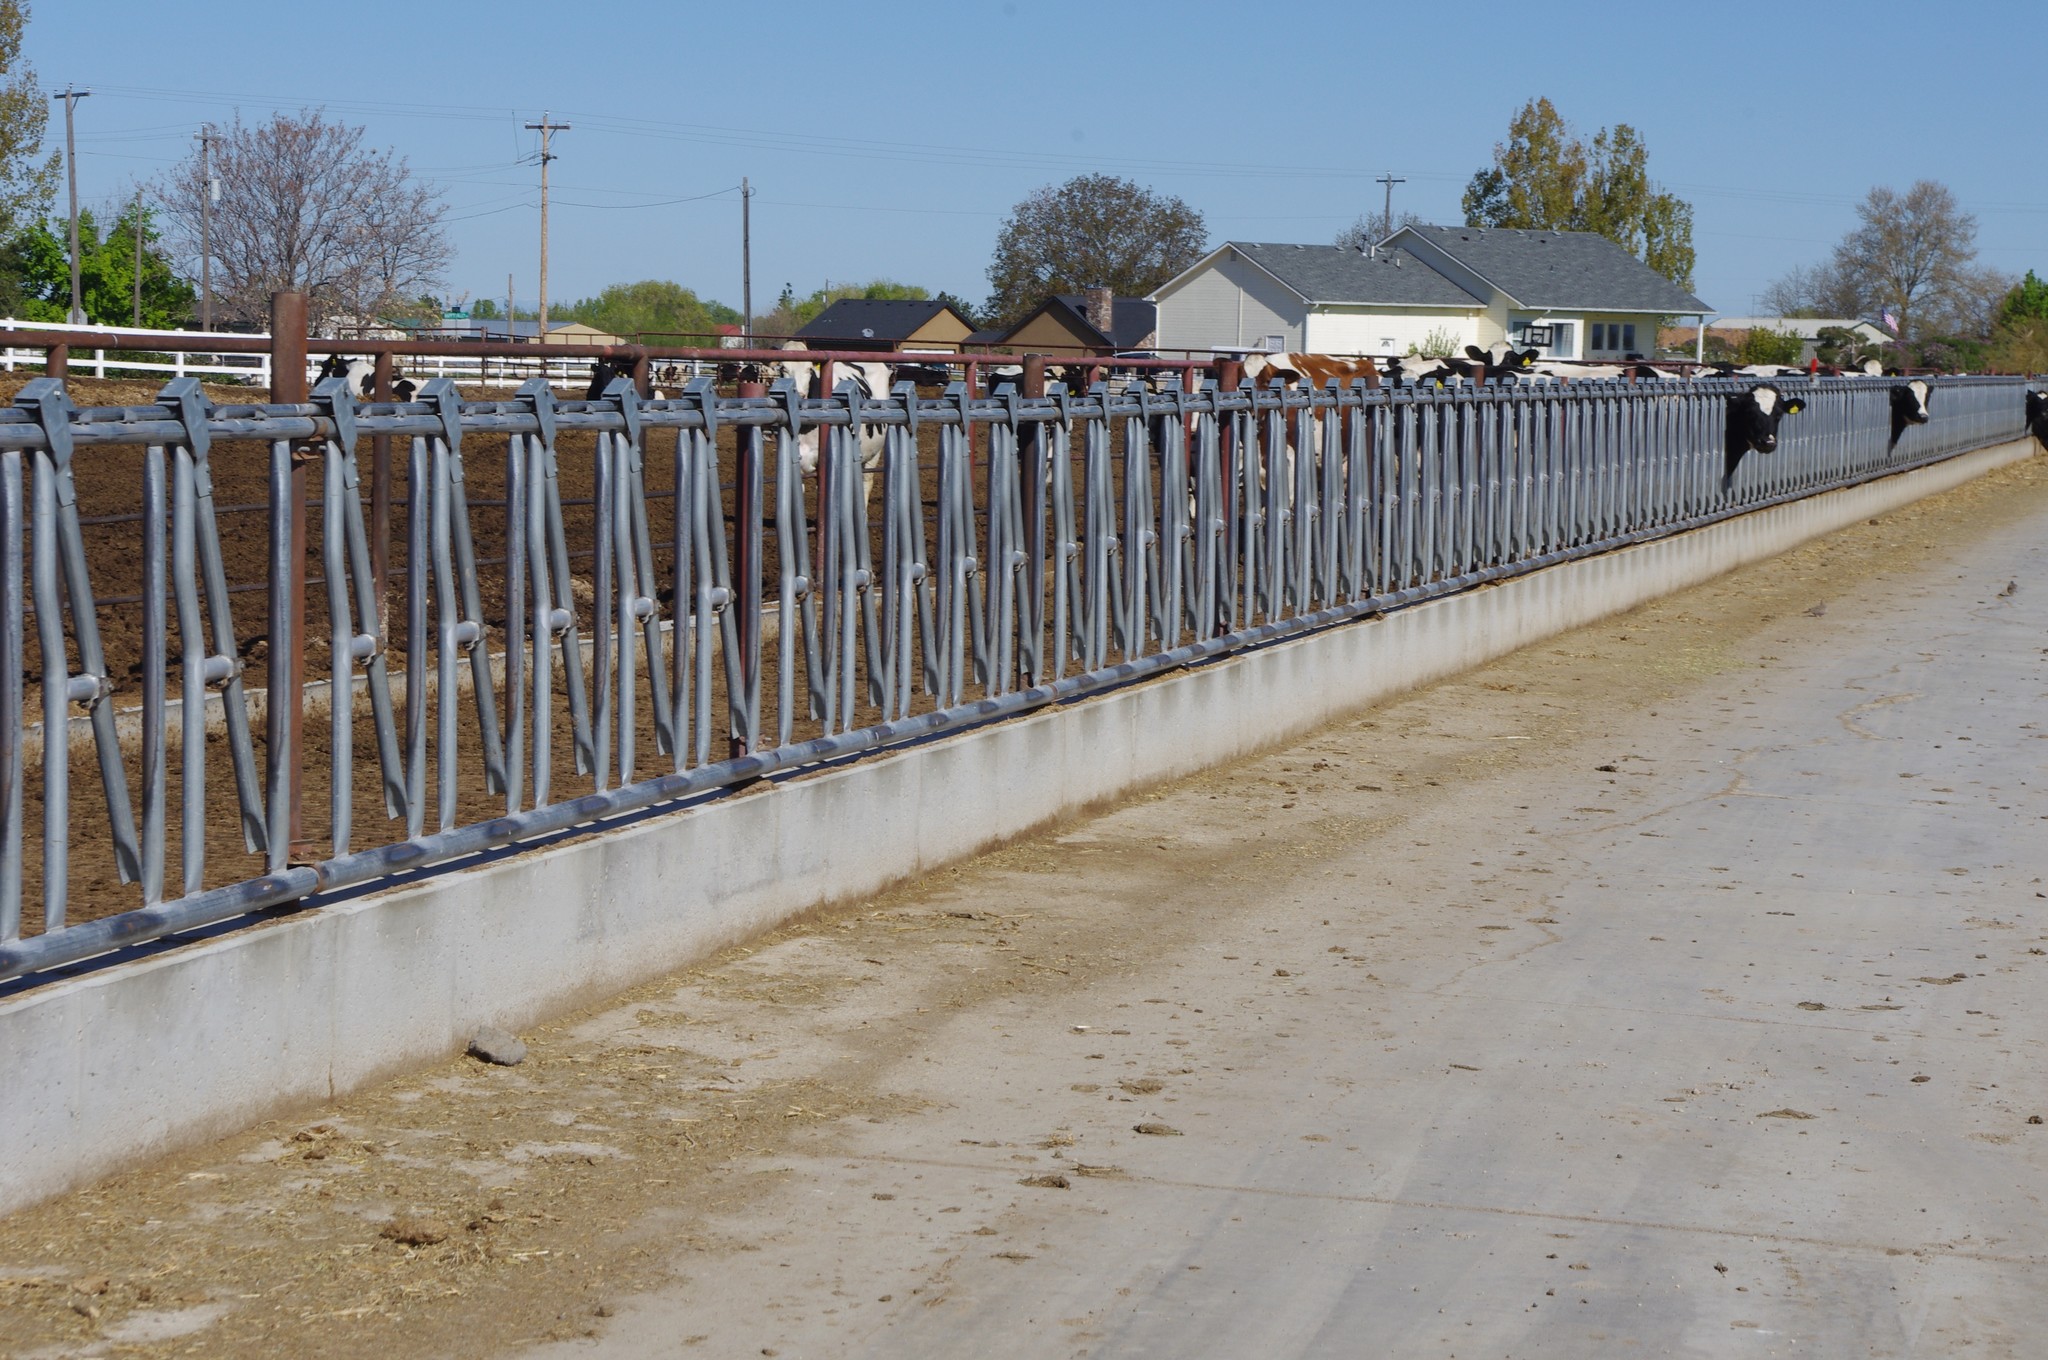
(380, 499)
(287, 715)
(643, 381)
(57, 361)
(746, 553)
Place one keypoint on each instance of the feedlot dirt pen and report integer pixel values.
(109, 499)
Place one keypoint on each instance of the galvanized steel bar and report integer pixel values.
(1241, 517)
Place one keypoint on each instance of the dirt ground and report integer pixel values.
(109, 484)
(464, 1210)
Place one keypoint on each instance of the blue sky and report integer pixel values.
(890, 139)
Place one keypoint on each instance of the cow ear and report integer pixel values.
(1794, 405)
(1474, 352)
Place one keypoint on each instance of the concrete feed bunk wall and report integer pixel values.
(109, 1068)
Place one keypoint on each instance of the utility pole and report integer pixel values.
(71, 97)
(511, 316)
(545, 127)
(138, 257)
(209, 190)
(746, 262)
(1390, 181)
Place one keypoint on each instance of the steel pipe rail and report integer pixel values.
(922, 580)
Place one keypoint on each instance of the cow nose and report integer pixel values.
(1769, 445)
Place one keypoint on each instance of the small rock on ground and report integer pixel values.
(494, 1045)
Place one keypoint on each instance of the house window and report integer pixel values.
(1276, 343)
(1599, 335)
(1628, 338)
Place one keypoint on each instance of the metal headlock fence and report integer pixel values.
(1054, 547)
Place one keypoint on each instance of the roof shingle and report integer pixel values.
(1566, 270)
(871, 319)
(1342, 275)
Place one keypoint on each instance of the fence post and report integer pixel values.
(58, 361)
(287, 700)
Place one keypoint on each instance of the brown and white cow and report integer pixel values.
(1314, 371)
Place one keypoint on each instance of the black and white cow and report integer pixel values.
(1753, 418)
(1748, 371)
(1598, 372)
(2037, 416)
(1909, 406)
(873, 379)
(603, 372)
(1497, 363)
(360, 373)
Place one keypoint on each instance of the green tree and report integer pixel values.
(649, 307)
(1766, 346)
(1094, 231)
(968, 311)
(2027, 300)
(35, 274)
(28, 183)
(807, 310)
(1546, 178)
(1842, 347)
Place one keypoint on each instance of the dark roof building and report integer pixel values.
(1092, 323)
(886, 324)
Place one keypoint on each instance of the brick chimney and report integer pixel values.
(1099, 307)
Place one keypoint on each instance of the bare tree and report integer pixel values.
(1913, 255)
(1374, 227)
(1815, 290)
(305, 205)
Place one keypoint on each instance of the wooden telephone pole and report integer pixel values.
(546, 128)
(71, 97)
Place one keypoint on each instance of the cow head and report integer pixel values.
(1909, 406)
(360, 374)
(602, 372)
(1753, 418)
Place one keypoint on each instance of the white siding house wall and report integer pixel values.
(1386, 330)
(1230, 304)
(1493, 324)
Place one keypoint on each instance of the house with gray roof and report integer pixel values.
(1568, 294)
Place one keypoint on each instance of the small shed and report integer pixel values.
(1076, 324)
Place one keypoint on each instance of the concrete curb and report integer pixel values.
(111, 1068)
